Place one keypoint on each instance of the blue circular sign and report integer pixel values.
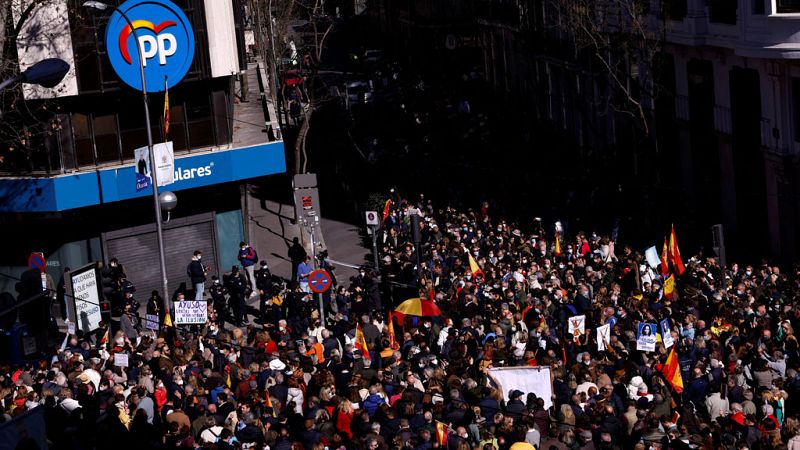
(165, 39)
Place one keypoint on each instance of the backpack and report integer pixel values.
(254, 258)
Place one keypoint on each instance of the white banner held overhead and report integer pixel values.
(151, 322)
(666, 335)
(603, 337)
(577, 326)
(651, 254)
(121, 359)
(191, 313)
(165, 163)
(87, 300)
(524, 379)
(646, 340)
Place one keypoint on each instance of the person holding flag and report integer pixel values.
(360, 344)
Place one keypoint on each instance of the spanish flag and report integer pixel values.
(105, 339)
(167, 320)
(228, 376)
(665, 259)
(675, 254)
(166, 110)
(474, 269)
(441, 433)
(386, 207)
(361, 343)
(672, 371)
(390, 331)
(557, 250)
(269, 404)
(669, 287)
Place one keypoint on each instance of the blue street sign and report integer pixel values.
(166, 39)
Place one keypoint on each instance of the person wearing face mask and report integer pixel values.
(248, 259)
(197, 274)
(218, 291)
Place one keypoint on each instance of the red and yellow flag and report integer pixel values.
(269, 404)
(672, 371)
(557, 250)
(441, 433)
(665, 259)
(105, 339)
(386, 207)
(228, 376)
(166, 110)
(390, 331)
(474, 269)
(675, 254)
(361, 343)
(167, 320)
(669, 287)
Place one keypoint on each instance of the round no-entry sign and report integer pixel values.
(319, 281)
(37, 261)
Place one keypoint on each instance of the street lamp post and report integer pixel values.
(153, 173)
(46, 73)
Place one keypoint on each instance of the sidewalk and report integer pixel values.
(272, 231)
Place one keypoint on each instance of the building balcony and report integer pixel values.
(751, 28)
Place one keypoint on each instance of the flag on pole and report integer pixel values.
(228, 376)
(386, 207)
(105, 339)
(675, 254)
(557, 250)
(269, 404)
(669, 287)
(167, 320)
(166, 110)
(474, 268)
(390, 331)
(665, 259)
(672, 371)
(361, 344)
(441, 433)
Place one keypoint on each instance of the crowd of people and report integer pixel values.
(292, 379)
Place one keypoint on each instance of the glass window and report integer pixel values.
(788, 6)
(84, 151)
(796, 107)
(723, 11)
(675, 9)
(199, 122)
(105, 139)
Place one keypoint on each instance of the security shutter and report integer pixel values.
(137, 250)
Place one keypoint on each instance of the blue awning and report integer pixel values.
(78, 190)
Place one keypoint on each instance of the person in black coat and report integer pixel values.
(297, 254)
(237, 287)
(197, 275)
(515, 407)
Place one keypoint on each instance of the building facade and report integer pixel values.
(74, 195)
(722, 103)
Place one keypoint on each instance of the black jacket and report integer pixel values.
(196, 272)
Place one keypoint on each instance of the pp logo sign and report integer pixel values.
(161, 33)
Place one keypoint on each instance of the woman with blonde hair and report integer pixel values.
(343, 415)
(792, 432)
(566, 418)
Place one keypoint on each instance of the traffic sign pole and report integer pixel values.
(373, 224)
